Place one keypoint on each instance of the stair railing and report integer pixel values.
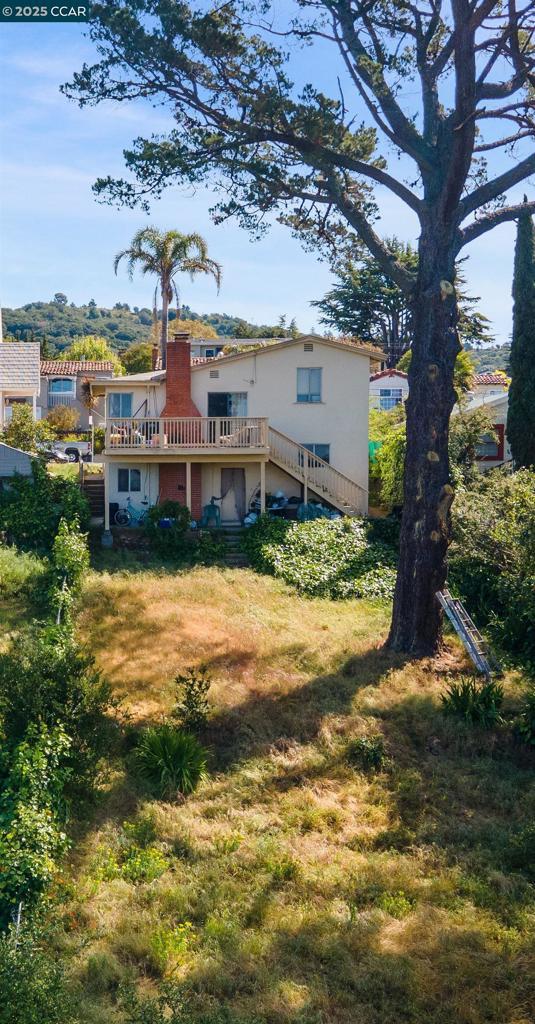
(317, 474)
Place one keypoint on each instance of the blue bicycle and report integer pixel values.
(131, 516)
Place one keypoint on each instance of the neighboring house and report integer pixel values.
(388, 388)
(493, 451)
(13, 460)
(484, 384)
(208, 348)
(19, 377)
(63, 382)
(291, 416)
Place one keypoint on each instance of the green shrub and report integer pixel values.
(492, 558)
(31, 804)
(367, 753)
(526, 719)
(208, 548)
(33, 989)
(171, 541)
(32, 508)
(48, 677)
(192, 709)
(70, 555)
(171, 760)
(20, 573)
(478, 703)
(323, 557)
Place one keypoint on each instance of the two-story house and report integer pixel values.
(291, 416)
(63, 382)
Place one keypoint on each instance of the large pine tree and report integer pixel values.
(521, 414)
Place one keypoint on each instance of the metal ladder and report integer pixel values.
(475, 644)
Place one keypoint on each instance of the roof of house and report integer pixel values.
(10, 448)
(72, 367)
(489, 378)
(482, 401)
(158, 376)
(389, 373)
(19, 364)
(359, 348)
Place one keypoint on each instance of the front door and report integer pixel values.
(233, 495)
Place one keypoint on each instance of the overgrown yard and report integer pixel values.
(311, 879)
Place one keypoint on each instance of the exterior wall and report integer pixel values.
(173, 485)
(270, 380)
(149, 482)
(484, 390)
(14, 461)
(29, 397)
(76, 403)
(496, 407)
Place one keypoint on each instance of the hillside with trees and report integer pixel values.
(55, 324)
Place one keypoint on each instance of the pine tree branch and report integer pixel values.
(491, 220)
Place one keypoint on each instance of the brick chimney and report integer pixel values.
(178, 401)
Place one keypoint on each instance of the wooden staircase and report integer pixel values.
(92, 485)
(316, 475)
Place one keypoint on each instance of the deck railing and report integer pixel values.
(187, 432)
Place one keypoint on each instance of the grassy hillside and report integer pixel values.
(488, 360)
(59, 323)
(295, 887)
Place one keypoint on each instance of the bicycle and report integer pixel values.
(131, 516)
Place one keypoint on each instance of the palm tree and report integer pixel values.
(166, 254)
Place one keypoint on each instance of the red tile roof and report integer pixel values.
(389, 373)
(72, 367)
(489, 378)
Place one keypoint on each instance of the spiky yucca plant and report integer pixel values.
(171, 760)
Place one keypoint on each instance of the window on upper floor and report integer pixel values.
(61, 386)
(390, 397)
(309, 384)
(128, 480)
(489, 448)
(120, 404)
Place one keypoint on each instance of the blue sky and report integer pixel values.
(55, 237)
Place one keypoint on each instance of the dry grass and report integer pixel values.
(296, 889)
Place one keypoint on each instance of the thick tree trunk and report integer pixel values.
(416, 619)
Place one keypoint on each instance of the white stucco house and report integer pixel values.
(388, 388)
(290, 416)
(19, 377)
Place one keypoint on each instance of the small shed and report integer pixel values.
(13, 460)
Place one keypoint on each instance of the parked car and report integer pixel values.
(49, 453)
(74, 450)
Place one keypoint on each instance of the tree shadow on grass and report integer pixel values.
(370, 969)
(265, 718)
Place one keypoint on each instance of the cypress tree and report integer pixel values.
(521, 412)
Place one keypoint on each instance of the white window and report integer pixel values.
(390, 397)
(120, 404)
(309, 384)
(61, 386)
(128, 480)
